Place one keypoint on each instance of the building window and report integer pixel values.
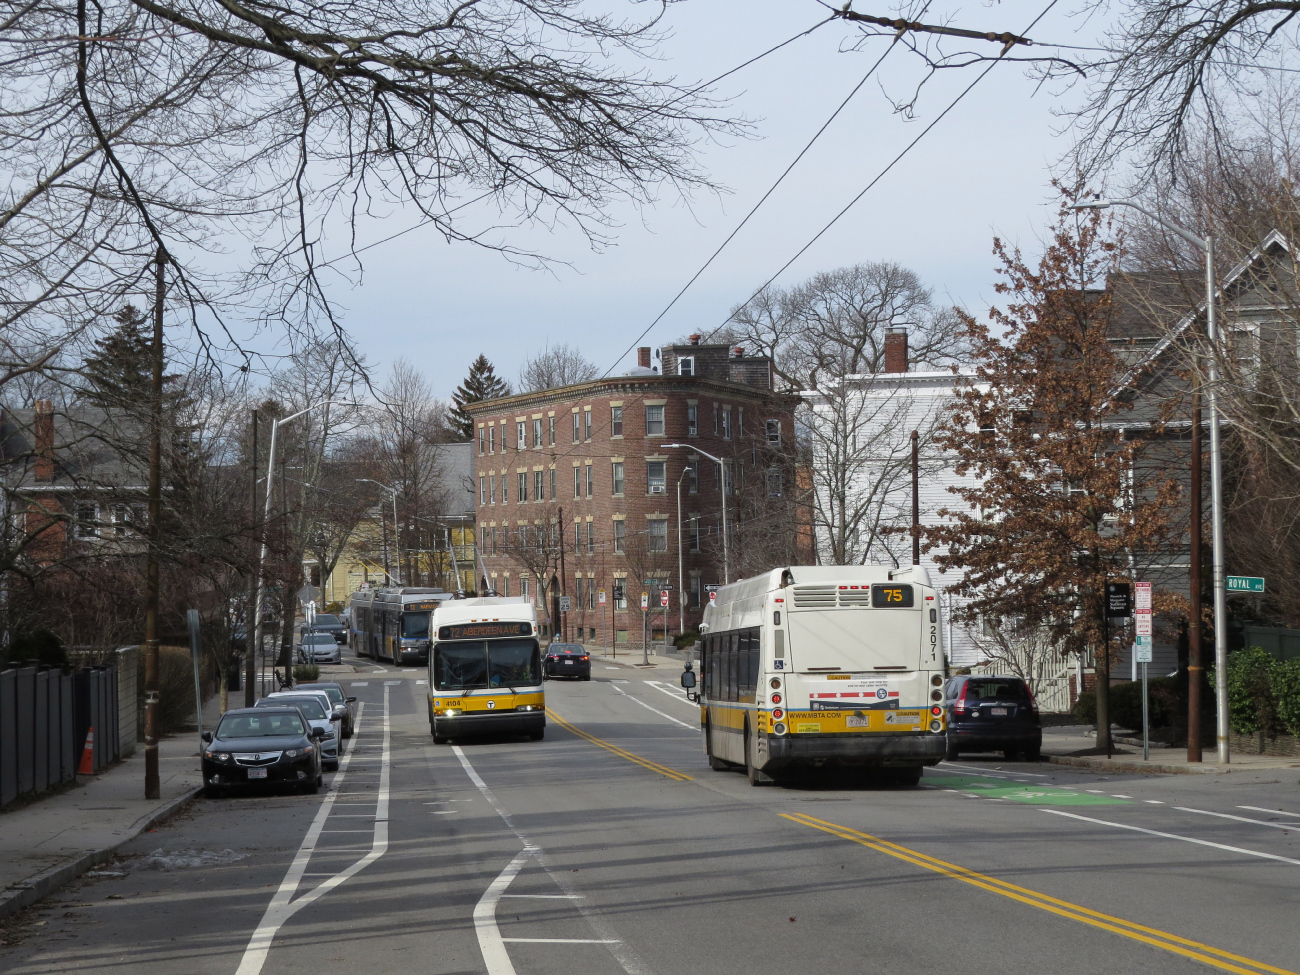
(715, 419)
(616, 469)
(692, 421)
(482, 544)
(552, 483)
(481, 438)
(726, 423)
(482, 489)
(773, 431)
(492, 489)
(521, 487)
(740, 421)
(577, 482)
(657, 539)
(586, 422)
(695, 592)
(591, 538)
(686, 365)
(85, 516)
(523, 586)
(620, 537)
(577, 538)
(505, 586)
(591, 599)
(656, 476)
(492, 440)
(616, 421)
(550, 420)
(693, 477)
(774, 482)
(654, 421)
(538, 487)
(537, 433)
(591, 482)
(1243, 344)
(693, 532)
(620, 598)
(576, 428)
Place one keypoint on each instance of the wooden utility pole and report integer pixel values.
(251, 629)
(1194, 666)
(152, 786)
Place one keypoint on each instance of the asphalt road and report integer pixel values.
(611, 847)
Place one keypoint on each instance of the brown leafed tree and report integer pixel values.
(1051, 517)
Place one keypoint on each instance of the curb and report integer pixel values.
(34, 888)
(1083, 761)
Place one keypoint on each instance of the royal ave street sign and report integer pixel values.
(1245, 584)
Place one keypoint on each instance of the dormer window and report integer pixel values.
(686, 365)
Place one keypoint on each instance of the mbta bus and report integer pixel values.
(814, 666)
(393, 624)
(485, 669)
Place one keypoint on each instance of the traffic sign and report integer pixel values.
(1245, 584)
(663, 597)
(566, 604)
(309, 592)
(1143, 650)
(1142, 597)
(713, 595)
(1143, 621)
(601, 594)
(645, 600)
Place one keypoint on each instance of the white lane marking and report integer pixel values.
(1174, 836)
(543, 897)
(1275, 812)
(422, 681)
(980, 768)
(1096, 792)
(443, 812)
(358, 683)
(655, 710)
(392, 683)
(621, 952)
(1155, 802)
(1240, 819)
(490, 943)
(613, 668)
(282, 906)
(380, 670)
(561, 941)
(1114, 796)
(672, 692)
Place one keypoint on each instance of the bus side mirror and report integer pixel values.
(688, 679)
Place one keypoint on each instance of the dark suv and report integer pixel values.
(988, 714)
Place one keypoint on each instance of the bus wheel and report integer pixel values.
(756, 776)
(906, 777)
(715, 763)
(537, 735)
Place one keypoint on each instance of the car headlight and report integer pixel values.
(217, 756)
(295, 752)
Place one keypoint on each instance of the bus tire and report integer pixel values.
(537, 735)
(906, 777)
(756, 776)
(715, 763)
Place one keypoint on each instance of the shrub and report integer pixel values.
(39, 645)
(1252, 707)
(1126, 704)
(175, 688)
(335, 607)
(688, 639)
(1085, 708)
(1285, 679)
(306, 672)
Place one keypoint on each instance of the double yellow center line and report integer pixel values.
(671, 773)
(1195, 950)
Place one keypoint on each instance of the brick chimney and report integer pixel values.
(643, 357)
(43, 435)
(738, 352)
(694, 339)
(895, 349)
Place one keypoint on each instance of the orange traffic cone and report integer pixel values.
(87, 766)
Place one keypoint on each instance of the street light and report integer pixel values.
(394, 578)
(1206, 244)
(681, 583)
(722, 468)
(256, 628)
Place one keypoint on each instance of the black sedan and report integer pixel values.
(568, 660)
(331, 624)
(988, 714)
(261, 747)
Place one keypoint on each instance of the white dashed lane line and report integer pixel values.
(1274, 812)
(1240, 819)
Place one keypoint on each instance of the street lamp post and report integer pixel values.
(396, 577)
(681, 583)
(722, 469)
(256, 629)
(1206, 245)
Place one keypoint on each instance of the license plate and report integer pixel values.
(998, 712)
(568, 663)
(857, 722)
(257, 773)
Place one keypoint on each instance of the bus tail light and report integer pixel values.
(776, 698)
(779, 728)
(936, 725)
(936, 680)
(778, 714)
(774, 683)
(936, 711)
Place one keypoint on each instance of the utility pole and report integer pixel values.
(1194, 665)
(152, 785)
(251, 652)
(916, 499)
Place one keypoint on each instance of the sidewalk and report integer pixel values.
(53, 840)
(1061, 745)
(632, 658)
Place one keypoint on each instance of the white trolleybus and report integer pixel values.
(393, 624)
(824, 665)
(485, 670)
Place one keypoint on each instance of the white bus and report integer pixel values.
(824, 665)
(485, 669)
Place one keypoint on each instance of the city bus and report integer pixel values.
(393, 624)
(813, 666)
(485, 670)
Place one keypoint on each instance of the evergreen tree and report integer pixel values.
(119, 370)
(481, 384)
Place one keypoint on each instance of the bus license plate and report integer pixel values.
(257, 773)
(857, 722)
(998, 712)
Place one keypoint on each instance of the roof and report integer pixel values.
(485, 608)
(628, 385)
(92, 447)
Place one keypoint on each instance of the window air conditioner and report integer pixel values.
(657, 489)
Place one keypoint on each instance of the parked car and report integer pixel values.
(319, 714)
(344, 706)
(262, 747)
(568, 660)
(318, 648)
(331, 624)
(995, 713)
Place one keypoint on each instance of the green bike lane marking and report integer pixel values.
(1034, 795)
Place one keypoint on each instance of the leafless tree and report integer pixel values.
(1025, 650)
(555, 365)
(535, 549)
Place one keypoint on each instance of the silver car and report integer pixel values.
(318, 715)
(319, 648)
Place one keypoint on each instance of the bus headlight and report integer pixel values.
(779, 728)
(450, 713)
(936, 725)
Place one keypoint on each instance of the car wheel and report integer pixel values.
(213, 792)
(312, 787)
(330, 766)
(951, 754)
(1032, 754)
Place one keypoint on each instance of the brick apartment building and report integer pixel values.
(578, 487)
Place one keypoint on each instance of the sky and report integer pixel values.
(984, 170)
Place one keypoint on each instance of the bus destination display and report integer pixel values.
(891, 597)
(419, 607)
(483, 631)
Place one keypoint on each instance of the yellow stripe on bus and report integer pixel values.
(1187, 948)
(621, 752)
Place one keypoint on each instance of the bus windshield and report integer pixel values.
(512, 663)
(498, 663)
(415, 626)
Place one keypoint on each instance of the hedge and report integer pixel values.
(1263, 693)
(1126, 704)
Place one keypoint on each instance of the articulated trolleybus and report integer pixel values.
(824, 665)
(485, 669)
(393, 624)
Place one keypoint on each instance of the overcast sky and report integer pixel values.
(984, 170)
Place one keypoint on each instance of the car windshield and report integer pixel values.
(310, 706)
(281, 724)
(506, 663)
(335, 694)
(996, 690)
(325, 619)
(415, 626)
(566, 648)
(318, 639)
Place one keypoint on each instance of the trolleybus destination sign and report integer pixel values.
(483, 631)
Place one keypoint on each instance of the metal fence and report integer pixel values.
(44, 717)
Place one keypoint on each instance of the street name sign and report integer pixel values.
(712, 588)
(1245, 584)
